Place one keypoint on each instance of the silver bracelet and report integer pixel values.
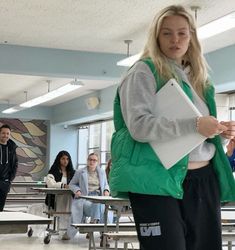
(197, 123)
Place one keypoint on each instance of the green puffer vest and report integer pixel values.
(136, 168)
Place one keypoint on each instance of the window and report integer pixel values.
(95, 138)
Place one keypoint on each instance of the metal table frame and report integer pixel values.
(108, 201)
(50, 212)
(18, 222)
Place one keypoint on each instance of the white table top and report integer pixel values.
(122, 234)
(52, 190)
(28, 184)
(22, 218)
(228, 215)
(107, 200)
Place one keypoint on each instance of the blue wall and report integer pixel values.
(222, 64)
(58, 62)
(62, 138)
(76, 111)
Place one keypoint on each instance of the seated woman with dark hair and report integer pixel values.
(59, 175)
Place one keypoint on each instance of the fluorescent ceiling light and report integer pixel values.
(52, 94)
(11, 110)
(129, 61)
(46, 97)
(217, 26)
(208, 30)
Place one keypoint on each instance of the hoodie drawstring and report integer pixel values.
(7, 157)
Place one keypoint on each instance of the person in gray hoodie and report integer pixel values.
(8, 163)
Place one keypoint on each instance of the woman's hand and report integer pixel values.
(77, 194)
(106, 193)
(208, 126)
(230, 132)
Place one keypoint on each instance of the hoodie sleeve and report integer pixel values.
(74, 183)
(51, 182)
(106, 185)
(137, 95)
(14, 165)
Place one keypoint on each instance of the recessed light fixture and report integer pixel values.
(46, 97)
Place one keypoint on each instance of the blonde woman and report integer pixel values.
(177, 208)
(90, 180)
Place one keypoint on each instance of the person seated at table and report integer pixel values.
(59, 175)
(231, 153)
(88, 181)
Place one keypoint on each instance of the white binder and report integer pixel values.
(172, 103)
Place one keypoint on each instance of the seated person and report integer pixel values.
(231, 153)
(90, 180)
(59, 175)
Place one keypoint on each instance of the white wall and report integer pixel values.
(222, 104)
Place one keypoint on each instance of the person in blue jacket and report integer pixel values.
(231, 153)
(90, 180)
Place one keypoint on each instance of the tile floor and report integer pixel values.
(23, 242)
(36, 242)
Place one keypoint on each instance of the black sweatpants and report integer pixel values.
(193, 223)
(4, 189)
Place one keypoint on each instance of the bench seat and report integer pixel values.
(91, 228)
(126, 237)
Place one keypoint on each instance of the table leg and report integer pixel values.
(105, 225)
(117, 224)
(49, 210)
(93, 240)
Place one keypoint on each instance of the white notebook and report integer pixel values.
(173, 103)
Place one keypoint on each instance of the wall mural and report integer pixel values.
(31, 139)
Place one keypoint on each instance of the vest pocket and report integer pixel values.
(136, 153)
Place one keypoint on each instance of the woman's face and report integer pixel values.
(64, 161)
(92, 162)
(174, 37)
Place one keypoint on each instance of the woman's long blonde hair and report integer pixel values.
(198, 67)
